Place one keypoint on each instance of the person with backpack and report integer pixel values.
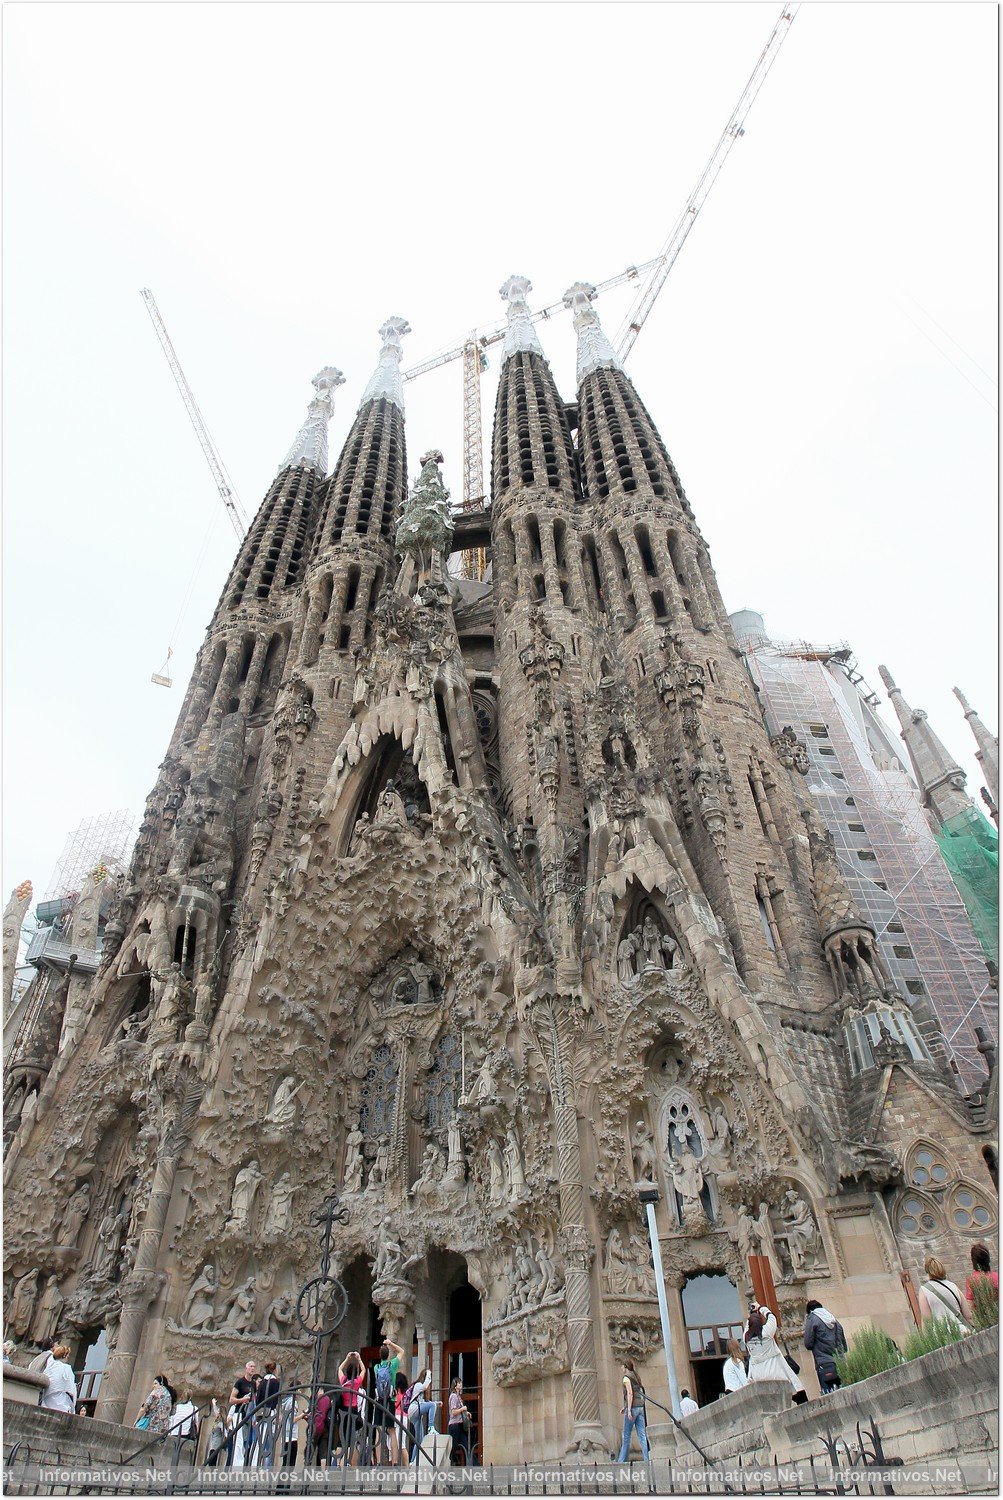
(940, 1298)
(320, 1431)
(402, 1395)
(384, 1397)
(633, 1412)
(459, 1423)
(824, 1336)
(265, 1415)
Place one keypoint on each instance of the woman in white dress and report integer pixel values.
(734, 1368)
(766, 1362)
(61, 1394)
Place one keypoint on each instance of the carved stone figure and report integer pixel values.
(283, 1106)
(496, 1167)
(433, 1167)
(200, 1307)
(21, 1305)
(456, 1168)
(803, 1240)
(687, 1179)
(390, 1264)
(279, 1316)
(49, 1311)
(77, 1210)
(279, 1217)
(381, 1165)
(626, 953)
(110, 1235)
(549, 1279)
(354, 1160)
(390, 812)
(625, 1274)
(514, 1166)
(238, 1312)
(642, 1145)
(245, 1190)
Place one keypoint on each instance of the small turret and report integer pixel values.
(941, 780)
(988, 753)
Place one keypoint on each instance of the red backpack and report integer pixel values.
(320, 1416)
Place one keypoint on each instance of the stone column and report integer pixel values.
(640, 582)
(550, 572)
(253, 679)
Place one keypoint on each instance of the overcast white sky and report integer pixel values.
(284, 176)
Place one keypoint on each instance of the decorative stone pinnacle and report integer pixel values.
(310, 447)
(521, 335)
(595, 352)
(425, 528)
(386, 381)
(886, 678)
(968, 710)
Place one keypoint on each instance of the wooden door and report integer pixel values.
(462, 1358)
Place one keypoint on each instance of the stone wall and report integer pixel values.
(55, 1437)
(940, 1408)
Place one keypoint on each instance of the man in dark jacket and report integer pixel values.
(824, 1336)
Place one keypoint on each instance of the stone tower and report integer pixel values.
(480, 904)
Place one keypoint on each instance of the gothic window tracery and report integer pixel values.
(379, 1094)
(442, 1085)
(968, 1210)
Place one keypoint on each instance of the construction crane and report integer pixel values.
(234, 509)
(472, 350)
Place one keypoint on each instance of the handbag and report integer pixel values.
(143, 1422)
(793, 1363)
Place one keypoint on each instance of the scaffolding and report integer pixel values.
(105, 838)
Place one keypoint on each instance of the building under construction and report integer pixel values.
(888, 850)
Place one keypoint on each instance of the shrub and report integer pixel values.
(936, 1333)
(985, 1303)
(871, 1351)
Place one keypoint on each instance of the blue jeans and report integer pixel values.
(633, 1418)
(423, 1419)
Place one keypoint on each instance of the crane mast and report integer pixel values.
(735, 128)
(471, 351)
(234, 509)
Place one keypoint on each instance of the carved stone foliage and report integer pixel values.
(634, 1334)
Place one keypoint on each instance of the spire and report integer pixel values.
(941, 780)
(521, 334)
(386, 381)
(988, 754)
(310, 447)
(595, 352)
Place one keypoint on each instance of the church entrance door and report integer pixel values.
(462, 1358)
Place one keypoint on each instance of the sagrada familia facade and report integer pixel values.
(479, 902)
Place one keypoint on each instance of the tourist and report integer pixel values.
(765, 1359)
(290, 1416)
(265, 1417)
(632, 1411)
(321, 1430)
(351, 1376)
(217, 1434)
(83, 1409)
(824, 1336)
(687, 1406)
(185, 1427)
(61, 1393)
(401, 1394)
(41, 1359)
(734, 1373)
(940, 1298)
(982, 1273)
(384, 1392)
(421, 1412)
(157, 1407)
(8, 1350)
(459, 1423)
(241, 1432)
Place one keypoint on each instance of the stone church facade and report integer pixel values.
(477, 903)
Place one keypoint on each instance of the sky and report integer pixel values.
(821, 362)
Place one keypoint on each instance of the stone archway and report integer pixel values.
(712, 1314)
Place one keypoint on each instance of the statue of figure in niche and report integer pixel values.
(433, 1166)
(279, 1316)
(245, 1190)
(390, 811)
(77, 1210)
(514, 1167)
(200, 1307)
(496, 1168)
(687, 1179)
(282, 1110)
(279, 1218)
(626, 954)
(238, 1315)
(801, 1232)
(642, 1146)
(381, 1166)
(456, 1170)
(354, 1161)
(21, 1304)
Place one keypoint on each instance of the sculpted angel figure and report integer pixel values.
(245, 1190)
(283, 1106)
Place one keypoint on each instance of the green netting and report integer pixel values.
(970, 846)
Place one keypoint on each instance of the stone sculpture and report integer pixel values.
(245, 1190)
(642, 1144)
(200, 1307)
(279, 1217)
(283, 1106)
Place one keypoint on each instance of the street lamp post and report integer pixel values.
(649, 1196)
